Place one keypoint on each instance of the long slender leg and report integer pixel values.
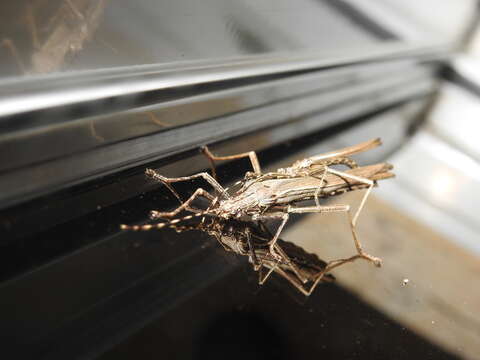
(292, 280)
(251, 154)
(283, 216)
(369, 182)
(338, 208)
(268, 236)
(323, 209)
(283, 256)
(290, 263)
(326, 170)
(274, 249)
(295, 281)
(261, 280)
(330, 266)
(184, 206)
(207, 177)
(280, 251)
(344, 161)
(171, 223)
(251, 249)
(320, 188)
(353, 222)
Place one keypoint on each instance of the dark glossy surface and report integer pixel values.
(274, 323)
(158, 79)
(92, 281)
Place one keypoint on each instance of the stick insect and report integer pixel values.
(251, 238)
(274, 195)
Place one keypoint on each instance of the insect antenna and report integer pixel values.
(162, 225)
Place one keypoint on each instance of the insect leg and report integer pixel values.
(368, 182)
(251, 154)
(184, 206)
(338, 208)
(276, 215)
(327, 170)
(207, 177)
(320, 188)
(353, 221)
(294, 281)
(261, 280)
(282, 257)
(251, 249)
(290, 263)
(275, 249)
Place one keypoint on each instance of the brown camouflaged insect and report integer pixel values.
(274, 195)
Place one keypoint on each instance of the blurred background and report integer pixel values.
(94, 91)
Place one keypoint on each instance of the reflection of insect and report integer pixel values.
(274, 195)
(56, 30)
(251, 238)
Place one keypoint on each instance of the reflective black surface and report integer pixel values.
(271, 323)
(92, 92)
(96, 285)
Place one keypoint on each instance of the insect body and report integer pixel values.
(275, 195)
